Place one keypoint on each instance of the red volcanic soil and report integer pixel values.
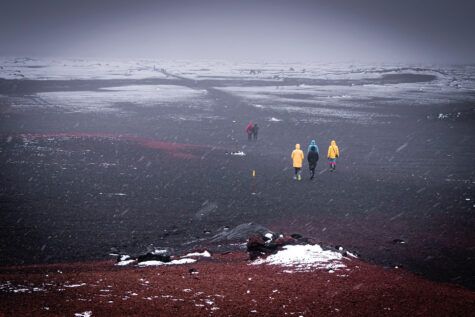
(224, 285)
(177, 150)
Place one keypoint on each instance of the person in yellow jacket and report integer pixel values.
(297, 159)
(333, 154)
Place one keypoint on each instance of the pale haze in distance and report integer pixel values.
(319, 31)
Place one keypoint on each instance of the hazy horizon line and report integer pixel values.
(235, 60)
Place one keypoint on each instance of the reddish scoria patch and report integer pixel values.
(177, 150)
(224, 285)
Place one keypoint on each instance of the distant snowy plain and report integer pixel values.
(311, 92)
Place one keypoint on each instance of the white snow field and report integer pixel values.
(459, 76)
(107, 99)
(139, 95)
(311, 92)
(66, 69)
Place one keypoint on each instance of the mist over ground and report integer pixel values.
(297, 31)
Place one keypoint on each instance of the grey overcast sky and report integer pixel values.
(293, 30)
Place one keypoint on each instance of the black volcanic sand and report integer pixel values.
(75, 186)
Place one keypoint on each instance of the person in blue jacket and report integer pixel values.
(313, 143)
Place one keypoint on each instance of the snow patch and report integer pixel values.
(237, 153)
(159, 251)
(124, 263)
(205, 254)
(303, 258)
(351, 254)
(174, 262)
(73, 285)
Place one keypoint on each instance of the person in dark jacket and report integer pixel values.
(255, 131)
(312, 158)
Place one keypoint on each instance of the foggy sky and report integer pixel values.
(298, 30)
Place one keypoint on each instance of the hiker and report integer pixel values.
(249, 129)
(312, 158)
(297, 159)
(333, 154)
(313, 143)
(255, 131)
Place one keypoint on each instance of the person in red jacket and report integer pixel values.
(249, 130)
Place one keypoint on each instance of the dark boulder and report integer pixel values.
(257, 245)
(150, 256)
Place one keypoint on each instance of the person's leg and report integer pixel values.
(312, 170)
(332, 165)
(299, 177)
(296, 170)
